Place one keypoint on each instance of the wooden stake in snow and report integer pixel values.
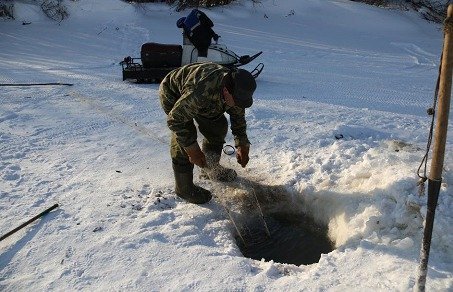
(440, 139)
(28, 222)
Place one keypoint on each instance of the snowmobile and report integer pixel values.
(157, 60)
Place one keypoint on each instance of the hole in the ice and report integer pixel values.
(289, 238)
(269, 224)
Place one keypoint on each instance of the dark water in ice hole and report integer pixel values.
(295, 239)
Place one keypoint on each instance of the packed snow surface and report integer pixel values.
(338, 125)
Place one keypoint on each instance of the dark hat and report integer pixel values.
(180, 22)
(244, 86)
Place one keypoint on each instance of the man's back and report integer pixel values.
(200, 83)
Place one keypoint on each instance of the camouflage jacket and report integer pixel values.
(194, 91)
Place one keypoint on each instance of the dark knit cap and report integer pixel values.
(180, 22)
(244, 86)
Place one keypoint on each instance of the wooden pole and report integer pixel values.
(28, 222)
(440, 139)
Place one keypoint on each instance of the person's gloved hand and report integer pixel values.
(242, 154)
(196, 156)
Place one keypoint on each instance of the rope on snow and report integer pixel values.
(36, 84)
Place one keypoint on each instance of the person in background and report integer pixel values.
(203, 92)
(198, 28)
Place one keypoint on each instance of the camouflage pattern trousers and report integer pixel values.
(214, 133)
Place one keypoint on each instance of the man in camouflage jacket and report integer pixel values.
(204, 92)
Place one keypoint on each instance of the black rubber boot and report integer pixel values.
(185, 189)
(215, 171)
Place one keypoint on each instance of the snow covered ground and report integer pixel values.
(100, 149)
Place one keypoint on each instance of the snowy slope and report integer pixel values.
(100, 149)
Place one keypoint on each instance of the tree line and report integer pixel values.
(432, 10)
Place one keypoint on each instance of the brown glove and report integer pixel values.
(242, 154)
(195, 155)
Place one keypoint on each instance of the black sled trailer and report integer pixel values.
(157, 60)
